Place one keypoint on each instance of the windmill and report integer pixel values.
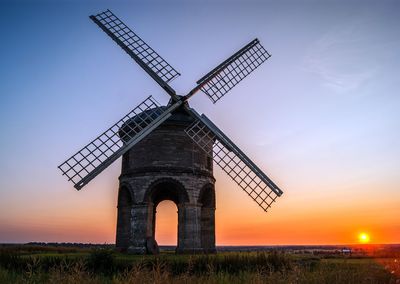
(168, 151)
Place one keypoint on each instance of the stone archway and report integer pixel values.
(124, 219)
(207, 219)
(166, 189)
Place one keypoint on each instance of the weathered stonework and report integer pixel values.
(167, 165)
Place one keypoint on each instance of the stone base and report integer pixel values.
(136, 250)
(144, 250)
(190, 251)
(210, 251)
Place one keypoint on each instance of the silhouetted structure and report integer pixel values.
(168, 152)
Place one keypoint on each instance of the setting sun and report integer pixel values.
(363, 238)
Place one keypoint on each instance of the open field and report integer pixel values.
(100, 264)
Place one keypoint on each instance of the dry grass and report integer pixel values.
(261, 267)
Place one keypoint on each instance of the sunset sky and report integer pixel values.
(321, 117)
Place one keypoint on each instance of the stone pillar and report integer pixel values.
(140, 228)
(189, 235)
(123, 227)
(124, 218)
(208, 229)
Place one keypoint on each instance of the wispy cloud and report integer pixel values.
(345, 57)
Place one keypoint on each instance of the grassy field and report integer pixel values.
(36, 264)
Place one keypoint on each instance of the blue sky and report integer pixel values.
(321, 116)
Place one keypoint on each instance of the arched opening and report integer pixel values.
(166, 226)
(165, 195)
(125, 202)
(207, 220)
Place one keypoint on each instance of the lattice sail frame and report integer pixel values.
(110, 142)
(229, 73)
(127, 39)
(262, 191)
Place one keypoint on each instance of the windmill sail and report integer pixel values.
(92, 159)
(229, 73)
(142, 53)
(234, 162)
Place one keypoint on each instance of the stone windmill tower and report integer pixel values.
(167, 165)
(168, 151)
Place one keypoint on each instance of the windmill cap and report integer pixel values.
(179, 117)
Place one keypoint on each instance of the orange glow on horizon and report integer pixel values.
(306, 219)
